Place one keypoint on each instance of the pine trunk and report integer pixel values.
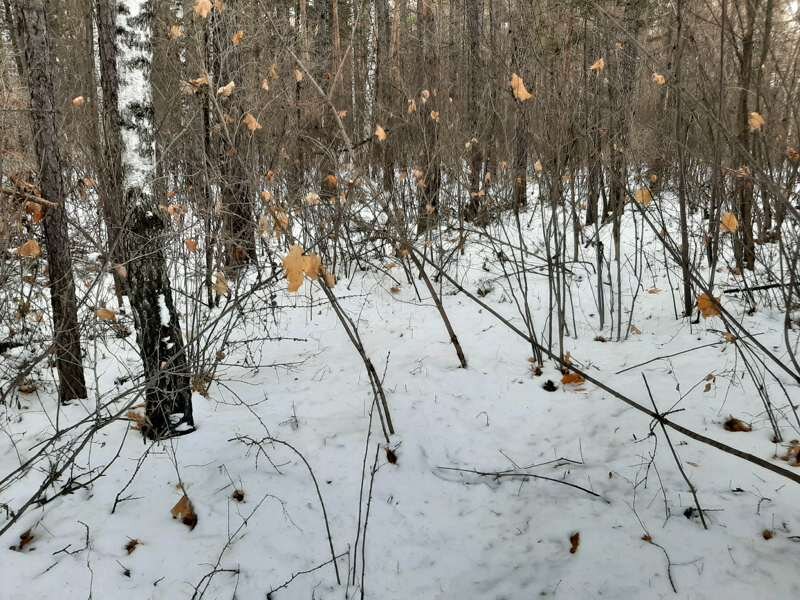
(39, 68)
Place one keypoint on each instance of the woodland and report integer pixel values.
(381, 299)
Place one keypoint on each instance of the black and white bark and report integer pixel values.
(168, 396)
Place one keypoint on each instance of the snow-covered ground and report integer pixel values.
(432, 533)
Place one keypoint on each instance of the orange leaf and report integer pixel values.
(251, 123)
(598, 65)
(202, 8)
(728, 223)
(521, 93)
(191, 245)
(573, 378)
(105, 314)
(643, 196)
(237, 37)
(30, 249)
(380, 133)
(184, 510)
(35, 210)
(708, 306)
(297, 265)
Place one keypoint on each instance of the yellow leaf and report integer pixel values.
(202, 8)
(175, 32)
(424, 95)
(237, 37)
(598, 65)
(297, 265)
(78, 102)
(191, 245)
(251, 123)
(435, 115)
(380, 133)
(311, 198)
(520, 91)
(728, 223)
(412, 106)
(30, 249)
(298, 75)
(226, 90)
(265, 84)
(184, 510)
(105, 314)
(708, 306)
(273, 72)
(756, 121)
(537, 166)
(659, 79)
(643, 196)
(221, 284)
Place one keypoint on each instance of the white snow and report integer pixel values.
(163, 311)
(433, 533)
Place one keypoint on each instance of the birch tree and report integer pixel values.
(167, 383)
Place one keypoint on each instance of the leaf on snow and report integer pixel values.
(184, 510)
(734, 424)
(574, 542)
(573, 378)
(708, 306)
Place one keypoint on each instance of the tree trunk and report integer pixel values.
(744, 248)
(39, 68)
(474, 75)
(110, 166)
(168, 396)
(431, 177)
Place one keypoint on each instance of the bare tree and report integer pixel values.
(32, 21)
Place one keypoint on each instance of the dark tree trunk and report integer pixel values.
(238, 222)
(475, 75)
(110, 166)
(384, 82)
(431, 178)
(39, 68)
(168, 394)
(744, 248)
